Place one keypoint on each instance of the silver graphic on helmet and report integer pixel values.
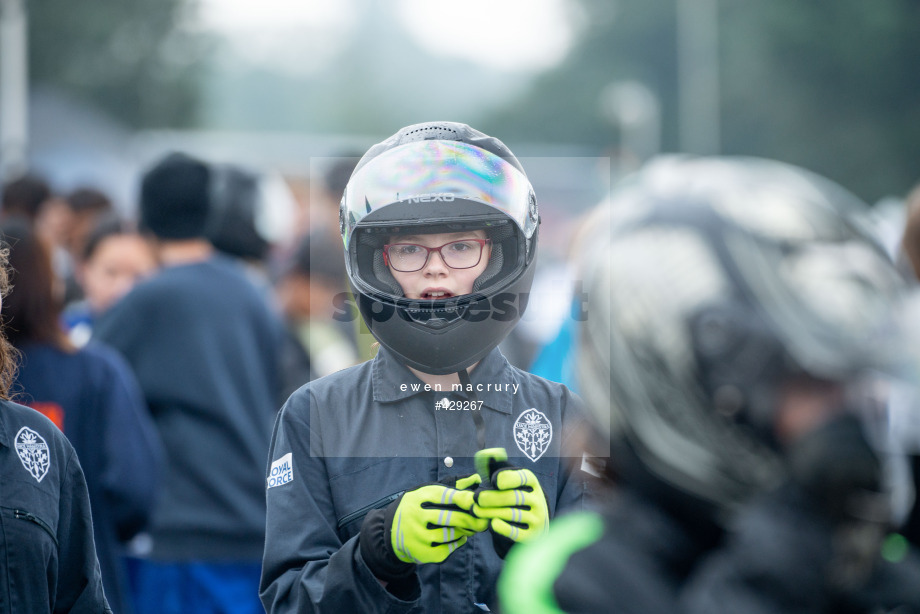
(714, 283)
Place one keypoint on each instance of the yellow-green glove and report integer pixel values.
(512, 500)
(424, 525)
(470, 482)
(431, 522)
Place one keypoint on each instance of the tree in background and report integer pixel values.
(829, 84)
(129, 58)
(631, 40)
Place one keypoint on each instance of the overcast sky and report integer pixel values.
(517, 35)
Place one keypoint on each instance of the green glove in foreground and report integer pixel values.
(513, 501)
(424, 525)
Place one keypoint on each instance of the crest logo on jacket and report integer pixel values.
(533, 433)
(33, 452)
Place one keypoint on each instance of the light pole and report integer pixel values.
(14, 89)
(698, 76)
(634, 109)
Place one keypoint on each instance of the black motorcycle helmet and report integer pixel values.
(712, 282)
(440, 177)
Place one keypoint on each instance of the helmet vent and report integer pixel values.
(429, 133)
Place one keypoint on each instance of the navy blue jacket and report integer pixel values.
(47, 559)
(204, 347)
(355, 440)
(93, 397)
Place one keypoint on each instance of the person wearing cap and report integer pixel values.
(744, 334)
(47, 557)
(398, 485)
(204, 346)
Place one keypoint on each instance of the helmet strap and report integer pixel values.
(477, 416)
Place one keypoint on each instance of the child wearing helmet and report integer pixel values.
(399, 485)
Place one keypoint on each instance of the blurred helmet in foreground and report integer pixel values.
(710, 283)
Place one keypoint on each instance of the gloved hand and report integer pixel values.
(424, 525)
(511, 499)
(470, 483)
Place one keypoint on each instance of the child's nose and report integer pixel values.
(436, 263)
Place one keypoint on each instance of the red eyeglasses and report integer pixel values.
(410, 257)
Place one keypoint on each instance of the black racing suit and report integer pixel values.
(648, 552)
(47, 557)
(354, 441)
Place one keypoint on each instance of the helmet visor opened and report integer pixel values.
(421, 183)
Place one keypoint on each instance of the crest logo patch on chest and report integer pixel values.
(33, 452)
(533, 433)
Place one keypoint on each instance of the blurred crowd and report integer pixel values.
(155, 423)
(162, 338)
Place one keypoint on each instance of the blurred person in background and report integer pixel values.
(23, 198)
(555, 360)
(909, 252)
(92, 396)
(114, 257)
(240, 220)
(740, 337)
(47, 556)
(324, 212)
(254, 218)
(53, 224)
(315, 206)
(906, 418)
(87, 206)
(299, 188)
(233, 226)
(309, 289)
(325, 228)
(31, 199)
(204, 346)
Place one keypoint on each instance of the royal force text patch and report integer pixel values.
(281, 472)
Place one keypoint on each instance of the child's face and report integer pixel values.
(436, 280)
(118, 262)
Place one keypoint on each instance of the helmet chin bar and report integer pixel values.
(438, 314)
(435, 315)
(451, 334)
